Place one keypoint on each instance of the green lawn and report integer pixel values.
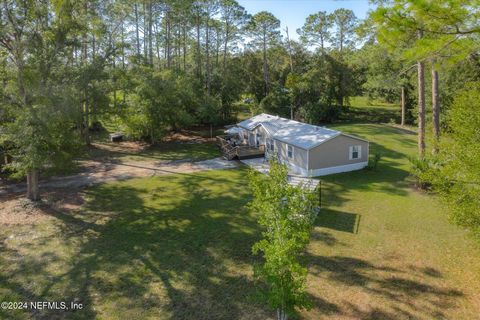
(364, 110)
(178, 247)
(166, 151)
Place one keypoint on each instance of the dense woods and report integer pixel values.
(146, 68)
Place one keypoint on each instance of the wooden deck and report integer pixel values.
(240, 152)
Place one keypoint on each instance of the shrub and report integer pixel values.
(373, 162)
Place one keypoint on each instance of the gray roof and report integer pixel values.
(255, 121)
(302, 135)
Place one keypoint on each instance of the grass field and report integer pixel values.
(178, 247)
(166, 151)
(364, 110)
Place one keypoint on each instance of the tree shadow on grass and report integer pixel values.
(337, 220)
(407, 293)
(163, 152)
(325, 237)
(368, 114)
(338, 189)
(181, 250)
(28, 279)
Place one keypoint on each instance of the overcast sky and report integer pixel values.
(292, 13)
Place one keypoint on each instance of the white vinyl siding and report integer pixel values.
(355, 152)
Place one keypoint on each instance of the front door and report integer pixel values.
(251, 139)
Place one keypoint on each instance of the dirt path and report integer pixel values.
(95, 172)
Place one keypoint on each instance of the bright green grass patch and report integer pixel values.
(365, 110)
(364, 101)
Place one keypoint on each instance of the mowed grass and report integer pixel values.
(384, 250)
(166, 151)
(179, 247)
(168, 247)
(365, 110)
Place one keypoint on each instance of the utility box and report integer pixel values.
(116, 137)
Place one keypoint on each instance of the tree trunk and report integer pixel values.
(199, 52)
(341, 41)
(145, 32)
(157, 45)
(207, 53)
(179, 48)
(435, 108)
(265, 65)
(169, 62)
(225, 47)
(32, 185)
(281, 315)
(184, 48)
(150, 22)
(94, 106)
(114, 80)
(123, 45)
(86, 110)
(402, 123)
(123, 62)
(94, 46)
(421, 109)
(217, 48)
(87, 120)
(136, 30)
(289, 50)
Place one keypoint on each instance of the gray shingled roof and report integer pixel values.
(302, 135)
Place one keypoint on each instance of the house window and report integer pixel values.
(290, 151)
(270, 145)
(355, 152)
(258, 136)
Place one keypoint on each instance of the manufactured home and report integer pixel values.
(307, 150)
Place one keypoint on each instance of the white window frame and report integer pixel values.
(292, 152)
(351, 151)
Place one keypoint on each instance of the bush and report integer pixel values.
(373, 162)
(421, 171)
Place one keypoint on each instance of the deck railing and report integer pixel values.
(240, 151)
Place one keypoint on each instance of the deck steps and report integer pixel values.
(309, 183)
(263, 167)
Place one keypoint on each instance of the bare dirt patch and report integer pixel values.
(20, 211)
(186, 137)
(123, 146)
